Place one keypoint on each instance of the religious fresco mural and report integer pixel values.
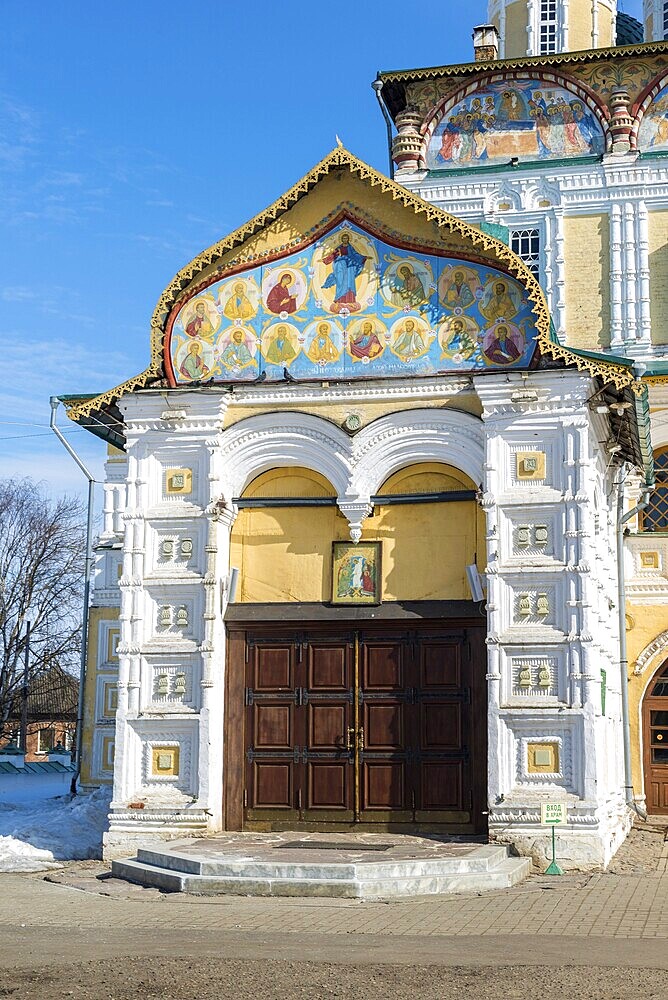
(518, 118)
(653, 131)
(352, 305)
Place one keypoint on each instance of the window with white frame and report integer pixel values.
(526, 243)
(547, 36)
(665, 19)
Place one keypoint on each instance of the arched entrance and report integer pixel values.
(341, 714)
(655, 742)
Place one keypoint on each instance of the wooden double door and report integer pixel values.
(365, 726)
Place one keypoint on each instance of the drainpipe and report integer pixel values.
(378, 87)
(88, 569)
(622, 519)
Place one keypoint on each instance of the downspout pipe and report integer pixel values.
(88, 572)
(378, 88)
(622, 519)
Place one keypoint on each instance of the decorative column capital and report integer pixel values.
(356, 512)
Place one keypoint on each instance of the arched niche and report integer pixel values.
(428, 545)
(519, 116)
(283, 553)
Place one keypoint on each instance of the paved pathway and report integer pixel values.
(614, 919)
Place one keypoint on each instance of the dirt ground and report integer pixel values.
(209, 979)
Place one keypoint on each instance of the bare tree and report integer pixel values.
(42, 549)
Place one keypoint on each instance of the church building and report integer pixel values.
(359, 565)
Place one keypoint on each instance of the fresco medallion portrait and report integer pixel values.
(280, 344)
(238, 300)
(284, 291)
(345, 278)
(407, 283)
(410, 338)
(366, 340)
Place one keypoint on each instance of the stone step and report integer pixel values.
(507, 872)
(485, 858)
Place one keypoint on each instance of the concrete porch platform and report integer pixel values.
(354, 866)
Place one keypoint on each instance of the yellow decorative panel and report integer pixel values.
(587, 264)
(649, 560)
(543, 758)
(165, 761)
(101, 658)
(108, 753)
(531, 464)
(179, 481)
(110, 702)
(113, 638)
(658, 276)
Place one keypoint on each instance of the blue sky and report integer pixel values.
(135, 134)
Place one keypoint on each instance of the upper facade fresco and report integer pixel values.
(521, 119)
(351, 305)
(653, 132)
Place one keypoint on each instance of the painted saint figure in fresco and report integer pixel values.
(364, 344)
(407, 288)
(458, 294)
(236, 354)
(498, 304)
(322, 349)
(192, 366)
(200, 325)
(458, 341)
(410, 342)
(347, 265)
(501, 349)
(238, 305)
(281, 350)
(279, 299)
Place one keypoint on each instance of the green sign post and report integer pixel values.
(553, 814)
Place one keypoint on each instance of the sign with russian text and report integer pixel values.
(553, 813)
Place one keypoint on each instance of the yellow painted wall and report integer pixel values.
(647, 623)
(658, 275)
(285, 554)
(587, 265)
(517, 18)
(95, 617)
(467, 402)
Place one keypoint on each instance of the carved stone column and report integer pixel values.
(407, 144)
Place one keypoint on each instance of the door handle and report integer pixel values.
(360, 739)
(350, 745)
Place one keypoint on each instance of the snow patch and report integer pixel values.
(35, 837)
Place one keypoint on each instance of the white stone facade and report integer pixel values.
(544, 536)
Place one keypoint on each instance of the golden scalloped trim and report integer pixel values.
(340, 157)
(544, 62)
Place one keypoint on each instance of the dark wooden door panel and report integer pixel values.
(328, 666)
(655, 739)
(382, 666)
(329, 786)
(272, 785)
(273, 667)
(273, 726)
(440, 726)
(383, 787)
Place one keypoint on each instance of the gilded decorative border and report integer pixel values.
(500, 65)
